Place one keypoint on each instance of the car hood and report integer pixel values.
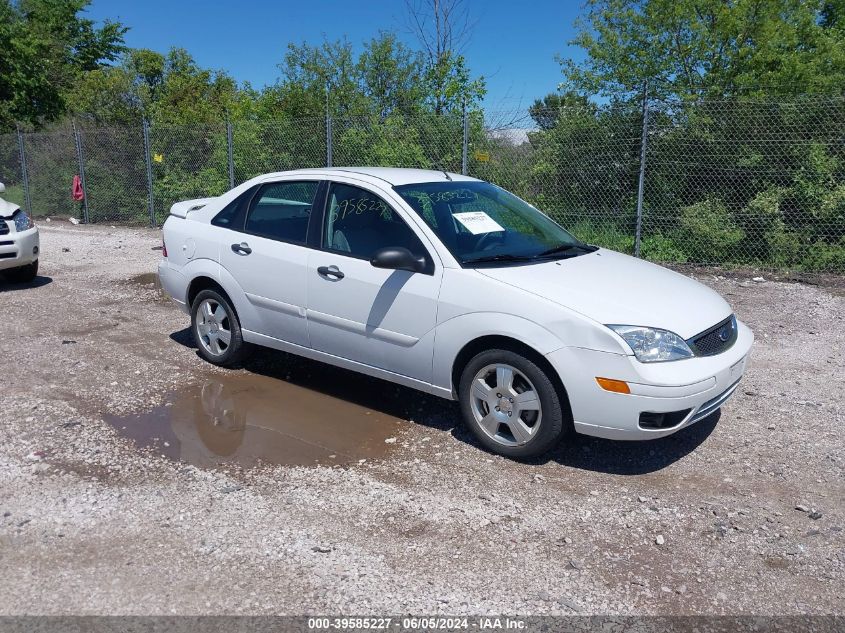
(7, 209)
(613, 288)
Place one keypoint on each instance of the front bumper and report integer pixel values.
(691, 389)
(18, 248)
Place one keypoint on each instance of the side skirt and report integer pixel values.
(274, 343)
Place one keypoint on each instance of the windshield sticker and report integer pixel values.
(478, 222)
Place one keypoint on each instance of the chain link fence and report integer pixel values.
(730, 182)
(51, 163)
(115, 174)
(11, 169)
(580, 167)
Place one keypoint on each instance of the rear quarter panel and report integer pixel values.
(187, 240)
(193, 249)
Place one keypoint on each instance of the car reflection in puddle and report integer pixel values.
(251, 419)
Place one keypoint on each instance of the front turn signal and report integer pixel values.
(616, 386)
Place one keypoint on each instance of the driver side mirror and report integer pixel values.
(2, 188)
(398, 258)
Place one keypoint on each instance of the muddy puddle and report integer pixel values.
(149, 281)
(252, 419)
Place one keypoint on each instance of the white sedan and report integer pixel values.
(455, 287)
(19, 244)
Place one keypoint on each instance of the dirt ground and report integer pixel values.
(137, 479)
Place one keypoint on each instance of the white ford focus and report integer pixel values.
(456, 287)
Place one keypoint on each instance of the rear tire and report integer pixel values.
(511, 405)
(23, 274)
(216, 329)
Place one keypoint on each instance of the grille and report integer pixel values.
(716, 339)
(4, 228)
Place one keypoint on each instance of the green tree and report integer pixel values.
(391, 76)
(693, 47)
(443, 28)
(744, 162)
(449, 86)
(308, 73)
(546, 112)
(45, 45)
(170, 89)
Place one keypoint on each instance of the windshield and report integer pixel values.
(481, 223)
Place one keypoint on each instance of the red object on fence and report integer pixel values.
(77, 192)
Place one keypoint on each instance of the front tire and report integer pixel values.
(22, 274)
(510, 404)
(216, 329)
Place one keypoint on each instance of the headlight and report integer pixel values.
(653, 345)
(22, 221)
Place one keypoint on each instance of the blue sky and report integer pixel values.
(513, 44)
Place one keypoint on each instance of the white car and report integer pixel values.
(455, 287)
(19, 243)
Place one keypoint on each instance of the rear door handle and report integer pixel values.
(330, 271)
(242, 248)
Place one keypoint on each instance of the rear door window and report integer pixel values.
(232, 215)
(281, 211)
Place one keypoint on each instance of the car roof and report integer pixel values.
(390, 175)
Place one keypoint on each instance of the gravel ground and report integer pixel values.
(743, 515)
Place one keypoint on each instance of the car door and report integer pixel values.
(380, 317)
(266, 254)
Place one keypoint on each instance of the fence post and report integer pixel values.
(329, 139)
(149, 164)
(24, 173)
(231, 152)
(329, 134)
(640, 186)
(80, 157)
(465, 143)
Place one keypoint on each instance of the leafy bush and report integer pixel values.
(832, 211)
(604, 234)
(661, 248)
(14, 194)
(708, 232)
(825, 257)
(785, 248)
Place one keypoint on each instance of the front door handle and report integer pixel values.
(330, 271)
(242, 248)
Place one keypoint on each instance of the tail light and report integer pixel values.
(163, 248)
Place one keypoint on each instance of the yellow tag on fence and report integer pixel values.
(481, 157)
(159, 158)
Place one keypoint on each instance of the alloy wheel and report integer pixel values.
(213, 328)
(505, 405)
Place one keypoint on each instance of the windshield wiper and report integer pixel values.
(566, 248)
(507, 257)
(499, 258)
